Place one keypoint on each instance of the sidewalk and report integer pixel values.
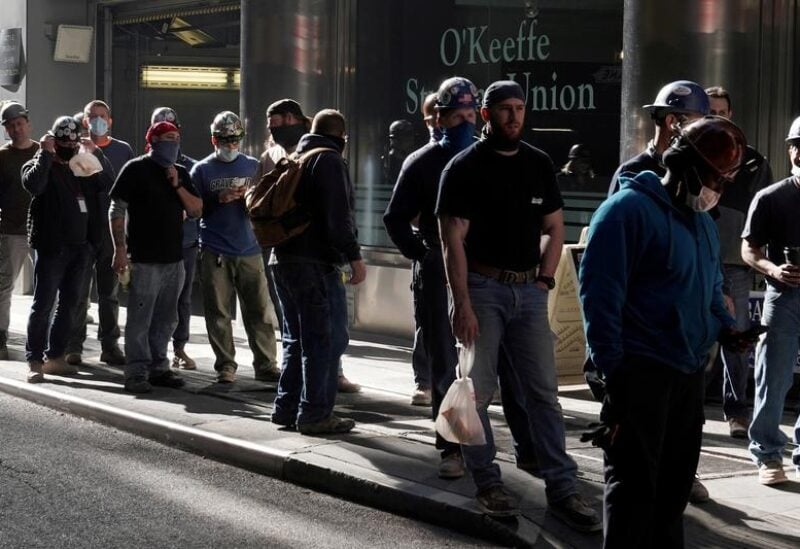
(389, 461)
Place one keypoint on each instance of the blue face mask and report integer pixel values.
(165, 153)
(227, 155)
(458, 137)
(98, 126)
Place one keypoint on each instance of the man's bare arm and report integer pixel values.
(453, 232)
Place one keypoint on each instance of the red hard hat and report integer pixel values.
(719, 143)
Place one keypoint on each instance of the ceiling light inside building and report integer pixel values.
(189, 78)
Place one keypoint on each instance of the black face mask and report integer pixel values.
(65, 153)
(288, 136)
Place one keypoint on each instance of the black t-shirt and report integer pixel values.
(504, 198)
(155, 212)
(772, 221)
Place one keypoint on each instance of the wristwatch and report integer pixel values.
(548, 281)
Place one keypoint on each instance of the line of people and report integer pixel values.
(660, 282)
(83, 202)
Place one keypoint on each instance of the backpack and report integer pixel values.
(274, 213)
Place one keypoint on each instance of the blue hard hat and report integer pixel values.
(456, 93)
(681, 96)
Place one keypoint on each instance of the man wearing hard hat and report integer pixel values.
(14, 202)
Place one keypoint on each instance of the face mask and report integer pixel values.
(288, 136)
(436, 134)
(65, 153)
(165, 153)
(796, 171)
(227, 155)
(707, 199)
(458, 137)
(98, 126)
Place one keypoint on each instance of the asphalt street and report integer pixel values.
(67, 482)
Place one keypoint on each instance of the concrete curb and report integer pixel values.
(329, 476)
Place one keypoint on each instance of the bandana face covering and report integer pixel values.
(164, 153)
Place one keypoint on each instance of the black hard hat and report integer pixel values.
(681, 96)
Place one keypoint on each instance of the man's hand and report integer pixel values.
(231, 194)
(787, 273)
(48, 143)
(172, 177)
(465, 323)
(358, 272)
(120, 261)
(88, 144)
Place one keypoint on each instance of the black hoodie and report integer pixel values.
(326, 193)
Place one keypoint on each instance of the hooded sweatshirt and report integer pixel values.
(326, 193)
(651, 280)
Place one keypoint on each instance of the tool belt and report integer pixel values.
(506, 277)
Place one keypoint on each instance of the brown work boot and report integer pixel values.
(57, 366)
(226, 375)
(35, 374)
(183, 361)
(347, 386)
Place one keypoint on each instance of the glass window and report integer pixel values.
(565, 55)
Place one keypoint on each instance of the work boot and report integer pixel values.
(74, 358)
(346, 386)
(3, 345)
(57, 366)
(113, 356)
(182, 361)
(270, 374)
(497, 502)
(421, 396)
(138, 386)
(698, 493)
(35, 374)
(226, 375)
(167, 378)
(771, 472)
(738, 427)
(576, 513)
(332, 425)
(451, 466)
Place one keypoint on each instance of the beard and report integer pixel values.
(502, 138)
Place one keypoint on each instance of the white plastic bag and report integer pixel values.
(458, 419)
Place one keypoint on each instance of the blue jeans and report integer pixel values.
(181, 335)
(420, 363)
(56, 275)
(776, 355)
(314, 304)
(152, 317)
(513, 317)
(107, 303)
(440, 345)
(738, 282)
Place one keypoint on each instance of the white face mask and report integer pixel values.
(707, 199)
(227, 155)
(796, 171)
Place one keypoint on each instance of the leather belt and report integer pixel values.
(501, 275)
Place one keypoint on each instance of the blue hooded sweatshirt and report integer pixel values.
(651, 280)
